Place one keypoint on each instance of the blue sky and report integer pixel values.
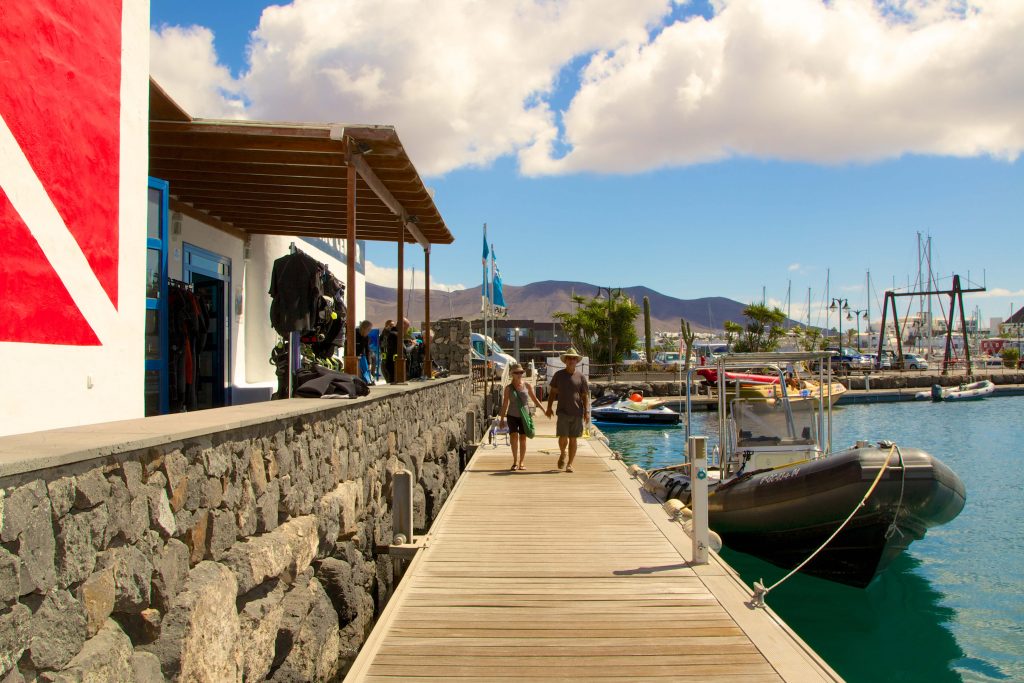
(738, 150)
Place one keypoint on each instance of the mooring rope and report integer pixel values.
(759, 589)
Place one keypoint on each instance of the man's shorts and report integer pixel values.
(569, 425)
(515, 424)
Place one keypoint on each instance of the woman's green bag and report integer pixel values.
(524, 414)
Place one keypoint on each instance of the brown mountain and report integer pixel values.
(539, 300)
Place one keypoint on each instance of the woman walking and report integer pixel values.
(517, 396)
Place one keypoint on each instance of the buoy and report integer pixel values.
(636, 397)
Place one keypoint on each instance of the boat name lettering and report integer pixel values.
(776, 477)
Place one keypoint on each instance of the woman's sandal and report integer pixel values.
(513, 468)
(568, 468)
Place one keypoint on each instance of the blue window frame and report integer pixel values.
(209, 274)
(155, 385)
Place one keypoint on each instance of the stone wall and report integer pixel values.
(239, 554)
(450, 345)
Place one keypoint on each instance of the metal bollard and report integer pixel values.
(401, 506)
(697, 449)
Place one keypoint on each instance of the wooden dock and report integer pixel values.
(546, 575)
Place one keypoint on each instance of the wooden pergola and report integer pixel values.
(353, 182)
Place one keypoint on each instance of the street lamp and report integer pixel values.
(842, 305)
(856, 312)
(516, 351)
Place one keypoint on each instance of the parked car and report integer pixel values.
(634, 357)
(914, 362)
(671, 360)
(846, 360)
(883, 363)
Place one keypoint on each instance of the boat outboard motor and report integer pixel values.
(936, 392)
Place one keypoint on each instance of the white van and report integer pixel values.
(487, 348)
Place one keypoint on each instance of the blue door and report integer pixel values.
(210, 277)
(156, 389)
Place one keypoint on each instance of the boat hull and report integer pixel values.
(784, 515)
(634, 417)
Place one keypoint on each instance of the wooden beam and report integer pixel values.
(351, 361)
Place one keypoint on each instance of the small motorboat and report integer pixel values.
(631, 409)
(754, 385)
(780, 493)
(963, 392)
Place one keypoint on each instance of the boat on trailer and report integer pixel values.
(780, 492)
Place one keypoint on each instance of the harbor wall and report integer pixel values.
(232, 544)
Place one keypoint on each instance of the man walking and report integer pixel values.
(570, 387)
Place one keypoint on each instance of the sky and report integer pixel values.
(760, 150)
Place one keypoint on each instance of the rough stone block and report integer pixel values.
(160, 515)
(133, 573)
(131, 470)
(91, 489)
(18, 506)
(267, 507)
(62, 495)
(307, 641)
(10, 576)
(146, 668)
(195, 537)
(259, 613)
(257, 470)
(286, 551)
(246, 514)
(78, 536)
(170, 568)
(104, 657)
(194, 487)
(96, 595)
(128, 516)
(222, 533)
(56, 631)
(199, 635)
(176, 469)
(13, 636)
(36, 549)
(216, 462)
(212, 493)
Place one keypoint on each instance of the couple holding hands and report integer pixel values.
(569, 387)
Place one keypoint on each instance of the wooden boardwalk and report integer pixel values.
(541, 575)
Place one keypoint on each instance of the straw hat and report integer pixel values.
(571, 353)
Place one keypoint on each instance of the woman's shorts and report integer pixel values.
(515, 424)
(569, 425)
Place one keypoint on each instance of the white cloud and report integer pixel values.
(388, 277)
(793, 267)
(184, 62)
(467, 82)
(999, 292)
(848, 80)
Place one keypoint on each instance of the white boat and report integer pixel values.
(962, 392)
(631, 409)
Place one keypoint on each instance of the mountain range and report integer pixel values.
(540, 300)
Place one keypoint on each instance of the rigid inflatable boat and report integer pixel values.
(631, 409)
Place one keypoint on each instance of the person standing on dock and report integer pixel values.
(570, 387)
(517, 397)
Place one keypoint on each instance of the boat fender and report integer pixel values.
(714, 540)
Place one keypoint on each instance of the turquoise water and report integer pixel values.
(949, 609)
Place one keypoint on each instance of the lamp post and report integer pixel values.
(842, 305)
(857, 312)
(516, 345)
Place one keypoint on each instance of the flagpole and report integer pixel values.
(483, 292)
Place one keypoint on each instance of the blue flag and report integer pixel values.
(499, 297)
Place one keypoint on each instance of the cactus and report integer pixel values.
(647, 330)
(687, 336)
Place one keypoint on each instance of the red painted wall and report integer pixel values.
(60, 96)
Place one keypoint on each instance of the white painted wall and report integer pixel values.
(252, 337)
(46, 386)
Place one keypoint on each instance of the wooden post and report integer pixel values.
(427, 368)
(351, 361)
(399, 377)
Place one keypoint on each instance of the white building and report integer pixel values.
(110, 191)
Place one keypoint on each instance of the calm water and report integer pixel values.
(949, 609)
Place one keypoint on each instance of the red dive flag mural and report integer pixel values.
(60, 85)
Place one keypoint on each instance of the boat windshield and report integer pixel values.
(768, 423)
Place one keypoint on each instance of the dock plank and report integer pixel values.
(543, 575)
